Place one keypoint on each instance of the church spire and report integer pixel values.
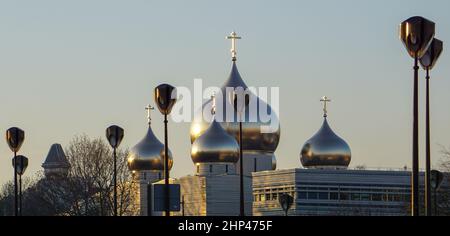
(233, 36)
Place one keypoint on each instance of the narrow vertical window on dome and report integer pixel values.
(210, 168)
(198, 169)
(226, 168)
(254, 165)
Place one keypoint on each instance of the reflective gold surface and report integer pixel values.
(325, 149)
(429, 59)
(416, 34)
(148, 154)
(15, 137)
(253, 139)
(215, 145)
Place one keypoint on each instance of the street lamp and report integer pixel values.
(165, 98)
(436, 178)
(114, 134)
(240, 99)
(15, 137)
(416, 34)
(20, 164)
(428, 61)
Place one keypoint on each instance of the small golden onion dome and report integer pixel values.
(325, 150)
(148, 154)
(215, 145)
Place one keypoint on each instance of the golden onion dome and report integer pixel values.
(148, 154)
(215, 145)
(325, 150)
(253, 139)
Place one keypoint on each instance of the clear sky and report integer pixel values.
(74, 67)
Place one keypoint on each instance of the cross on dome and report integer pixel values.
(325, 99)
(233, 36)
(149, 109)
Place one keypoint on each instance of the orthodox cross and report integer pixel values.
(325, 99)
(149, 109)
(233, 36)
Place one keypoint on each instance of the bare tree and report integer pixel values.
(91, 163)
(88, 188)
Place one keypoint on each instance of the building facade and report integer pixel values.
(333, 192)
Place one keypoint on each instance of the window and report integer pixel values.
(274, 196)
(210, 169)
(397, 198)
(226, 168)
(312, 195)
(323, 196)
(377, 197)
(302, 195)
(365, 197)
(355, 196)
(344, 196)
(334, 196)
(198, 169)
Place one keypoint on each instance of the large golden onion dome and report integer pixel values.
(325, 149)
(253, 139)
(148, 154)
(215, 145)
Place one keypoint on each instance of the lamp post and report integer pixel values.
(114, 134)
(165, 98)
(428, 60)
(20, 163)
(15, 137)
(416, 33)
(436, 178)
(239, 100)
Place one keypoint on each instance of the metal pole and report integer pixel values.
(16, 213)
(415, 156)
(241, 177)
(428, 157)
(166, 167)
(20, 195)
(115, 183)
(182, 205)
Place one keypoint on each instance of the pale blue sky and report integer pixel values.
(76, 67)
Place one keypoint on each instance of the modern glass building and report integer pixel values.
(333, 192)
